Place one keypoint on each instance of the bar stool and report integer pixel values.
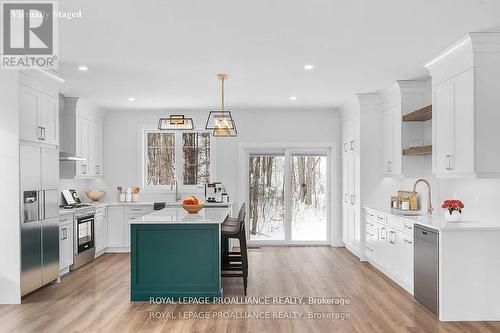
(235, 264)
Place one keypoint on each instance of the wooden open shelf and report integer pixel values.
(422, 114)
(425, 150)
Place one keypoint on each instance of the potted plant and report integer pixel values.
(453, 210)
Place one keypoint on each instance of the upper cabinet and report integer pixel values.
(466, 81)
(350, 135)
(39, 108)
(398, 100)
(82, 139)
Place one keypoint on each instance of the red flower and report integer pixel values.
(452, 205)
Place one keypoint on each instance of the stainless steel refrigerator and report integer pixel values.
(39, 174)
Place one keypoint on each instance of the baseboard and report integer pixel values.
(63, 271)
(118, 250)
(100, 253)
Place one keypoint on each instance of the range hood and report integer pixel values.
(70, 157)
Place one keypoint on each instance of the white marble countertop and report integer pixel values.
(151, 203)
(179, 216)
(438, 222)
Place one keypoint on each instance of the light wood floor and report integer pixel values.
(95, 298)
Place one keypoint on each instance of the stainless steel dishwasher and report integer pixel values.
(426, 269)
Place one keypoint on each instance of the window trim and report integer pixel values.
(178, 162)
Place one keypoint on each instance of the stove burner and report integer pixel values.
(75, 206)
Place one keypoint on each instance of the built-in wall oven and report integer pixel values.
(84, 248)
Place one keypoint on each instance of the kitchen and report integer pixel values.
(368, 195)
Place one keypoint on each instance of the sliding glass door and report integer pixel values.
(288, 197)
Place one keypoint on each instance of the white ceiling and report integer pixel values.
(166, 54)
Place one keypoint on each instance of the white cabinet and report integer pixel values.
(465, 104)
(39, 116)
(350, 207)
(82, 136)
(115, 226)
(350, 135)
(389, 246)
(453, 125)
(118, 224)
(101, 230)
(391, 141)
(65, 242)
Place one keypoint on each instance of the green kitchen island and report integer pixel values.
(175, 254)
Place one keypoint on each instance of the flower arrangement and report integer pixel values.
(452, 205)
(453, 212)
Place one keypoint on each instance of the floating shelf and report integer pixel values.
(422, 114)
(425, 150)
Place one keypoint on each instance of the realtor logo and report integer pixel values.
(29, 36)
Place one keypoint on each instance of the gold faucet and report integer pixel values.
(429, 202)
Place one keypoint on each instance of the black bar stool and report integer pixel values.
(235, 264)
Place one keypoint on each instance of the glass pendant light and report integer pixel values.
(221, 121)
(176, 122)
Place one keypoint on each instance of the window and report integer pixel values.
(166, 152)
(161, 159)
(196, 153)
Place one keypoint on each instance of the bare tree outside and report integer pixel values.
(267, 197)
(161, 159)
(196, 153)
(308, 197)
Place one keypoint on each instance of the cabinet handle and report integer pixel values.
(448, 163)
(136, 209)
(345, 198)
(353, 201)
(383, 237)
(409, 242)
(389, 166)
(368, 248)
(352, 145)
(345, 147)
(409, 228)
(83, 166)
(43, 133)
(97, 169)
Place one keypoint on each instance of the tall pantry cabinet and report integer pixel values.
(360, 114)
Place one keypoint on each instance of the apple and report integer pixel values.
(191, 200)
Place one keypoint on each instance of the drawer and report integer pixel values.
(372, 227)
(138, 210)
(381, 218)
(395, 222)
(65, 219)
(408, 227)
(371, 235)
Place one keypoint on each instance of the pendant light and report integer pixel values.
(176, 122)
(221, 121)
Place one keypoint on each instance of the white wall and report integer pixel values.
(10, 261)
(122, 152)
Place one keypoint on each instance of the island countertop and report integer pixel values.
(177, 215)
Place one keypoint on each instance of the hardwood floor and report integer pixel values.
(95, 298)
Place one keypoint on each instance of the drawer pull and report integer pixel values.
(409, 228)
(409, 242)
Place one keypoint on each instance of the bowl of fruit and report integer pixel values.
(192, 205)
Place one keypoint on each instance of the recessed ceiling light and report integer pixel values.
(293, 98)
(309, 67)
(83, 68)
(131, 99)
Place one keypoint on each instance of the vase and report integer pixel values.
(455, 216)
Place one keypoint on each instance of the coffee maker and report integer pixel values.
(214, 192)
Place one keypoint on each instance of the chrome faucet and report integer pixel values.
(429, 202)
(177, 196)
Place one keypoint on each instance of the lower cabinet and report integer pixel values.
(390, 248)
(101, 230)
(119, 227)
(115, 227)
(65, 242)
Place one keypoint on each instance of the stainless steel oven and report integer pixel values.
(84, 247)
